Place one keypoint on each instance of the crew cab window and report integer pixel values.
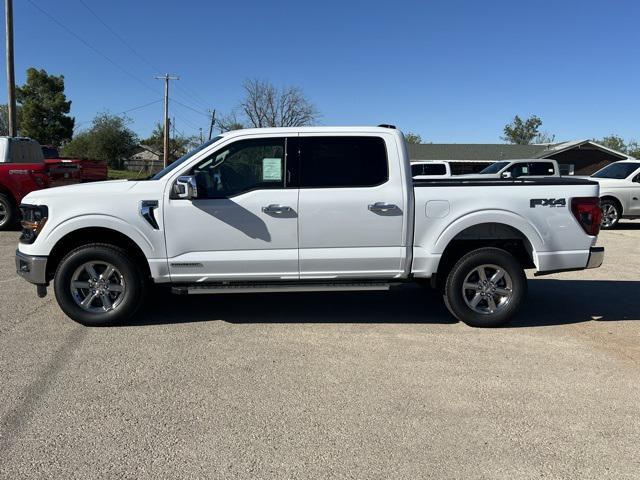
(519, 170)
(541, 168)
(428, 169)
(342, 162)
(242, 166)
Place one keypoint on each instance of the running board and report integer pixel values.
(284, 287)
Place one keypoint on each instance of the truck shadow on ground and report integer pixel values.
(550, 302)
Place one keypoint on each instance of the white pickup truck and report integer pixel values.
(519, 168)
(304, 209)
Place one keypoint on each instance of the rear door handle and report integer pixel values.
(381, 207)
(277, 209)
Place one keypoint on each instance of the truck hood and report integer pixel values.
(93, 189)
(610, 182)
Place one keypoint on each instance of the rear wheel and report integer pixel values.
(98, 285)
(610, 213)
(486, 288)
(8, 213)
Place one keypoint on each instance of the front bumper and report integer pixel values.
(32, 268)
(596, 257)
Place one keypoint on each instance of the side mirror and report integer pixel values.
(186, 187)
(506, 175)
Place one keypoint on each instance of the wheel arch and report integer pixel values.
(103, 235)
(613, 198)
(495, 234)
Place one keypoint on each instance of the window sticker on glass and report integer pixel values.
(271, 169)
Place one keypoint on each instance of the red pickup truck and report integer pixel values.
(82, 170)
(24, 169)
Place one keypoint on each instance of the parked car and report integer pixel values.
(81, 170)
(426, 169)
(619, 191)
(519, 168)
(21, 172)
(304, 209)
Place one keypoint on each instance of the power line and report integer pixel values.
(190, 108)
(88, 45)
(125, 111)
(194, 96)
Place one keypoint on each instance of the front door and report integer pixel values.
(244, 223)
(352, 208)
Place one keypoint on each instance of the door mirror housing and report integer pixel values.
(506, 175)
(186, 187)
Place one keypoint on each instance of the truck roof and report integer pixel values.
(286, 130)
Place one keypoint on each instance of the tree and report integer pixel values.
(633, 149)
(178, 144)
(544, 137)
(522, 132)
(4, 120)
(410, 137)
(229, 122)
(264, 105)
(43, 108)
(614, 142)
(109, 139)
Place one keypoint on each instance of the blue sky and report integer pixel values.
(452, 71)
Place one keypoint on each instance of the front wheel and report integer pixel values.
(486, 288)
(610, 214)
(8, 212)
(98, 285)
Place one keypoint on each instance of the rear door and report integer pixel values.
(352, 210)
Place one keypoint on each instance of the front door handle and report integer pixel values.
(382, 207)
(277, 209)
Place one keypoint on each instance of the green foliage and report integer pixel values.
(178, 144)
(522, 132)
(109, 139)
(4, 120)
(43, 108)
(412, 137)
(615, 142)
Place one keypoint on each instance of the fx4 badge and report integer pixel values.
(548, 202)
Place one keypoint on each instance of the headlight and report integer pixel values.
(34, 218)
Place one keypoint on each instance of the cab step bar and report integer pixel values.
(194, 289)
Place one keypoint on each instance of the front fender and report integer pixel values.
(50, 237)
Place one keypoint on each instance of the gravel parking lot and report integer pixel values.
(340, 385)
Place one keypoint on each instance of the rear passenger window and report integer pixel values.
(541, 168)
(342, 162)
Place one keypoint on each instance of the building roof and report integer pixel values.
(497, 151)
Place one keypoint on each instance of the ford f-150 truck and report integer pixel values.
(304, 209)
(519, 168)
(21, 171)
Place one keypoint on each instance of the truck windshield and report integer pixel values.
(617, 170)
(183, 159)
(494, 167)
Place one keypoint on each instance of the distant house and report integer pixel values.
(580, 157)
(145, 160)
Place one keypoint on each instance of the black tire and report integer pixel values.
(457, 300)
(8, 212)
(130, 273)
(611, 213)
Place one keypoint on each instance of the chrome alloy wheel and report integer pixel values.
(487, 289)
(97, 287)
(4, 214)
(609, 215)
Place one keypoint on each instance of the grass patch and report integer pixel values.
(124, 174)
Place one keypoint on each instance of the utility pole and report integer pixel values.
(166, 77)
(213, 122)
(11, 79)
(201, 139)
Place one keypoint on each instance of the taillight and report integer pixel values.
(587, 212)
